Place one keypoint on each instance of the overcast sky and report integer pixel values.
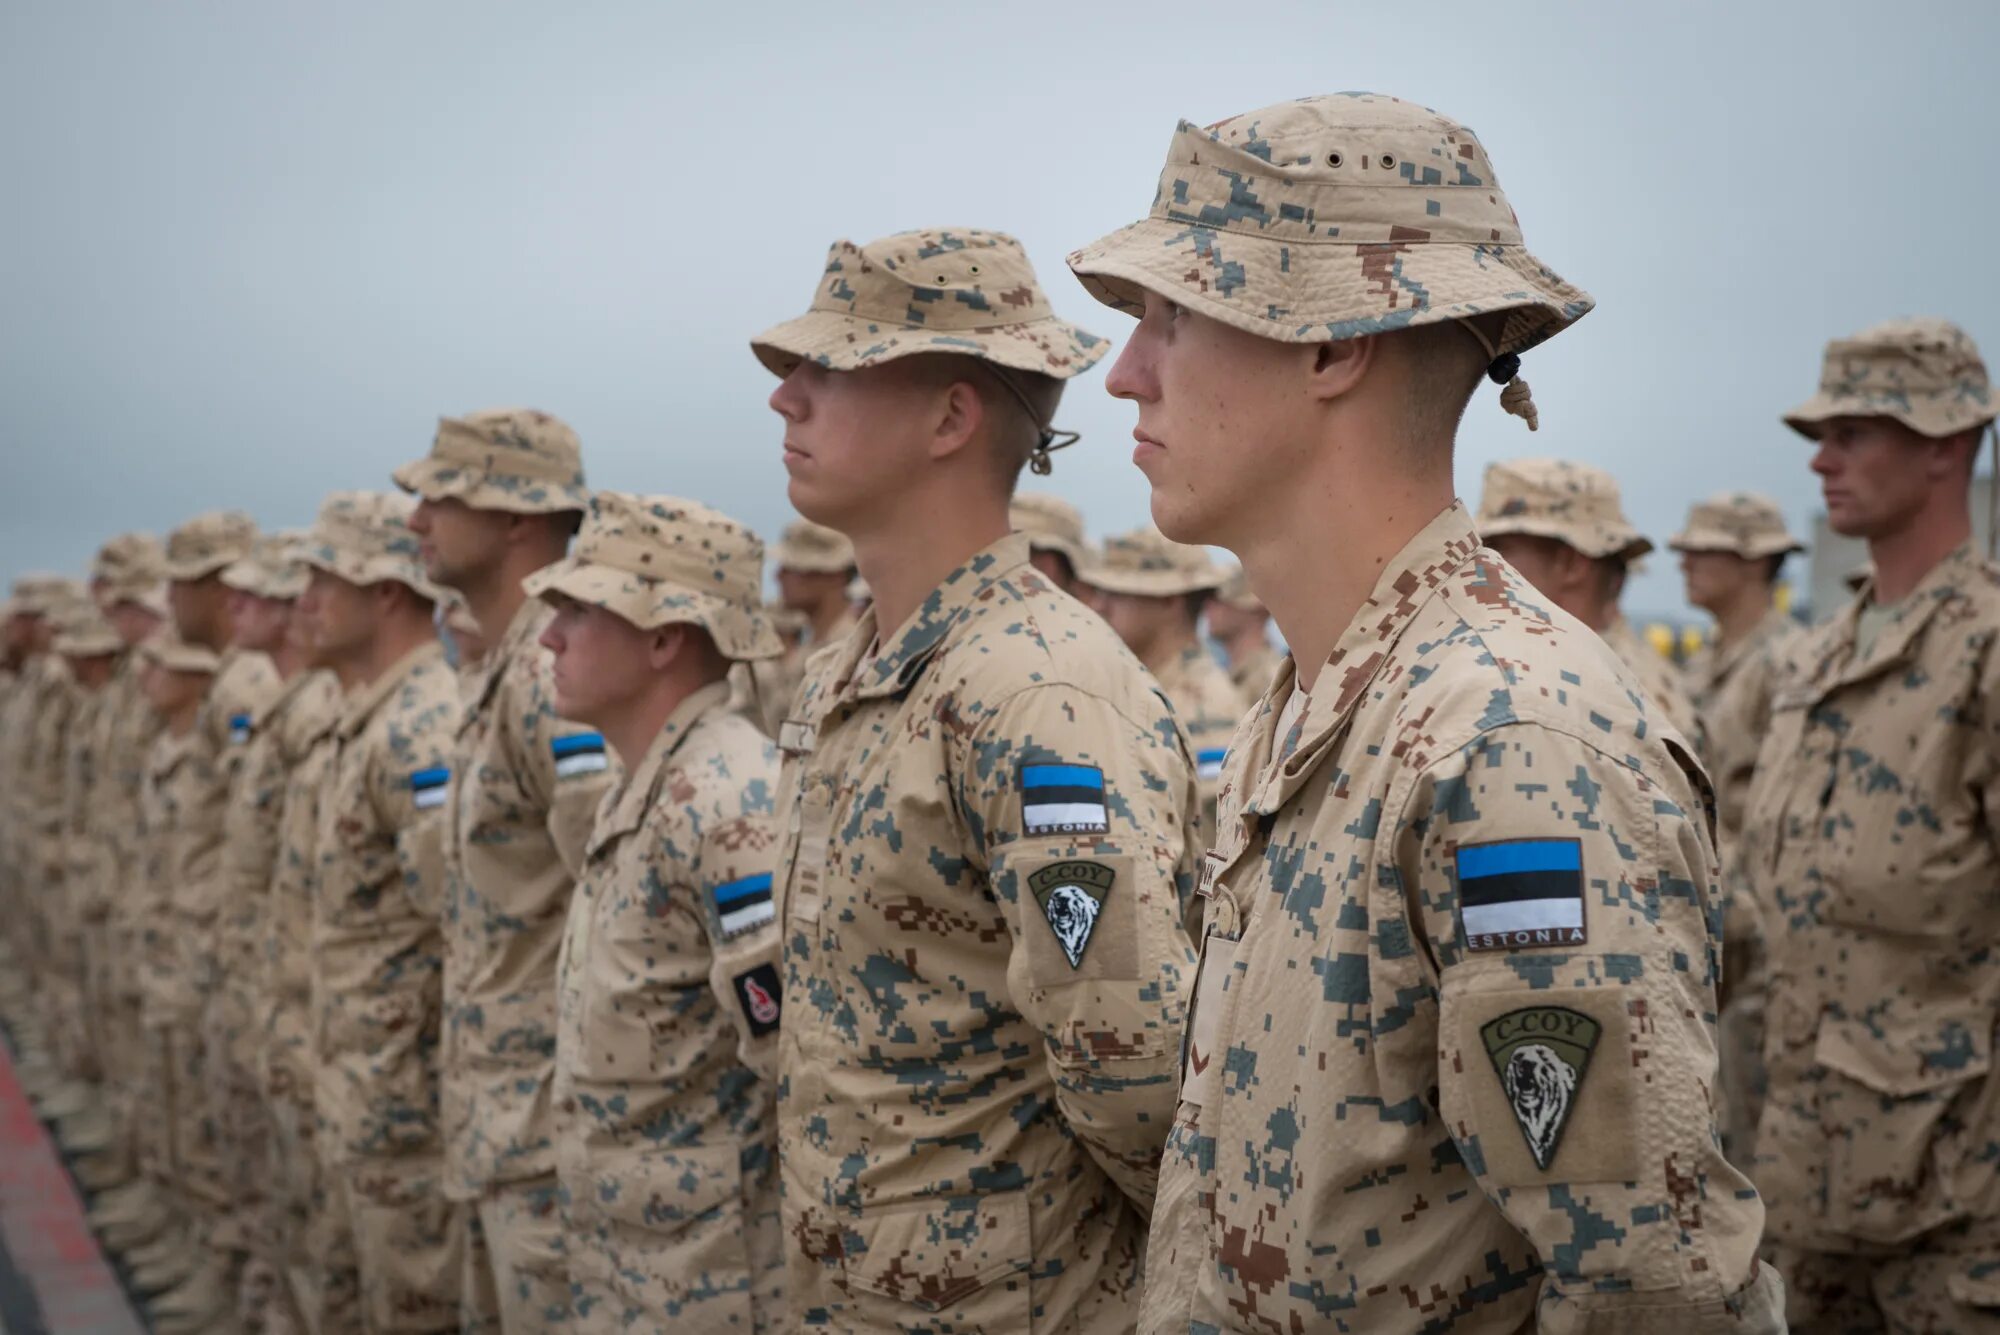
(250, 252)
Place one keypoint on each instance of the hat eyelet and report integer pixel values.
(1388, 161)
(975, 268)
(1333, 159)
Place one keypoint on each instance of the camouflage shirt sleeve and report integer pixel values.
(735, 852)
(565, 766)
(1100, 961)
(407, 788)
(1558, 979)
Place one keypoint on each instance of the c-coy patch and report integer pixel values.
(1072, 895)
(743, 904)
(239, 729)
(1521, 893)
(1541, 1054)
(1063, 799)
(429, 786)
(581, 753)
(757, 993)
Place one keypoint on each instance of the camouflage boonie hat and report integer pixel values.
(1052, 525)
(46, 595)
(1741, 523)
(364, 538)
(1333, 217)
(1147, 562)
(1235, 592)
(813, 548)
(128, 568)
(275, 567)
(790, 624)
(169, 650)
(1923, 373)
(83, 632)
(1555, 498)
(207, 543)
(939, 289)
(662, 561)
(512, 459)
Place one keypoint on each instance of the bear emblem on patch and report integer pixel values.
(1541, 1054)
(1072, 896)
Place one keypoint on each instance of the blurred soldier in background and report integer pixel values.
(1056, 544)
(1241, 624)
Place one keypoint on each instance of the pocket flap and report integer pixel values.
(666, 1190)
(936, 1254)
(1903, 1058)
(1976, 1282)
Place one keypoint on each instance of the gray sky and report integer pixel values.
(249, 252)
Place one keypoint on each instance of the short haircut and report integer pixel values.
(1446, 362)
(1015, 429)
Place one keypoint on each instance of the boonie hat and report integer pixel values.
(1557, 498)
(1147, 562)
(514, 459)
(1924, 373)
(1741, 523)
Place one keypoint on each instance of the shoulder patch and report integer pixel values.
(1521, 893)
(582, 753)
(1063, 799)
(757, 993)
(743, 904)
(429, 786)
(1208, 762)
(1541, 1054)
(1072, 895)
(239, 729)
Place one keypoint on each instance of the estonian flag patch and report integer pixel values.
(428, 787)
(581, 754)
(1521, 893)
(744, 904)
(239, 729)
(1063, 799)
(1208, 763)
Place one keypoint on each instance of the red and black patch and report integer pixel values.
(758, 994)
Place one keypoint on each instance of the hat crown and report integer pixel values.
(805, 545)
(1147, 551)
(937, 278)
(211, 540)
(129, 558)
(1039, 514)
(674, 541)
(1918, 356)
(364, 526)
(512, 444)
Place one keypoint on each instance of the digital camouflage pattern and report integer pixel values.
(987, 851)
(1449, 1059)
(1573, 503)
(377, 969)
(1208, 706)
(1148, 563)
(1870, 846)
(813, 548)
(666, 1045)
(1925, 373)
(513, 459)
(206, 544)
(1659, 678)
(1052, 525)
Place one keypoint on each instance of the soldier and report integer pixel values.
(1871, 849)
(1152, 591)
(1241, 624)
(377, 951)
(988, 817)
(500, 496)
(1561, 524)
(1450, 1050)
(668, 996)
(1056, 544)
(816, 575)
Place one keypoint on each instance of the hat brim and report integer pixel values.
(1625, 546)
(185, 572)
(811, 565)
(88, 646)
(1151, 583)
(180, 657)
(363, 571)
(840, 342)
(1072, 552)
(1714, 540)
(740, 633)
(433, 480)
(260, 584)
(1323, 291)
(1930, 415)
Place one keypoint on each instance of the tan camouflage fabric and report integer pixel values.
(1870, 848)
(364, 538)
(82, 632)
(128, 568)
(666, 1045)
(62, 998)
(1208, 706)
(377, 960)
(1666, 696)
(515, 459)
(1558, 498)
(1449, 1058)
(272, 569)
(1334, 217)
(1925, 373)
(169, 650)
(812, 548)
(207, 543)
(660, 561)
(936, 290)
(985, 862)
(1252, 672)
(44, 594)
(518, 816)
(1742, 523)
(1052, 525)
(1147, 562)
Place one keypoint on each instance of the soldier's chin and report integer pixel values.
(1179, 514)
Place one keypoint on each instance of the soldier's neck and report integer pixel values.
(1737, 619)
(1904, 557)
(1247, 643)
(826, 618)
(918, 546)
(1169, 647)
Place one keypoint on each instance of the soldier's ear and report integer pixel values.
(1338, 366)
(666, 646)
(960, 414)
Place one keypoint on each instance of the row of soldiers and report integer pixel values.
(580, 1000)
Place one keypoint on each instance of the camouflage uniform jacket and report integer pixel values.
(45, 779)
(120, 894)
(377, 958)
(1661, 680)
(78, 852)
(1251, 674)
(1732, 691)
(305, 742)
(1872, 844)
(1452, 1042)
(182, 818)
(667, 1031)
(244, 683)
(1209, 707)
(987, 851)
(524, 796)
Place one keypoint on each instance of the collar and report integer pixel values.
(638, 792)
(522, 630)
(1895, 643)
(361, 706)
(903, 655)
